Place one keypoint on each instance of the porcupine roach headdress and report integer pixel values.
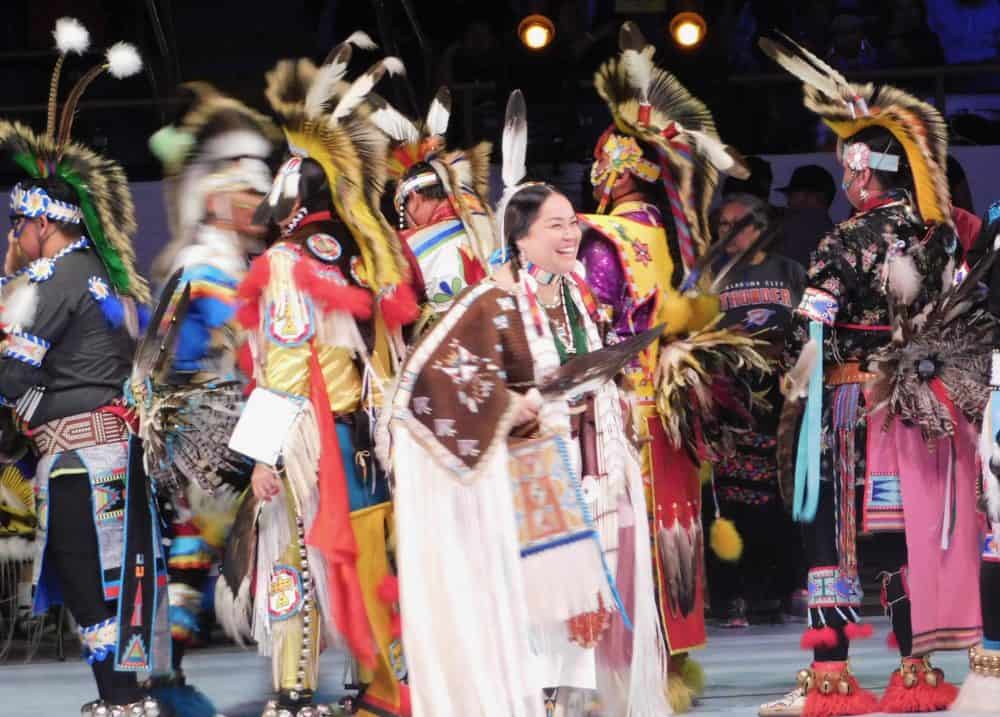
(217, 144)
(322, 118)
(849, 108)
(462, 174)
(650, 107)
(104, 202)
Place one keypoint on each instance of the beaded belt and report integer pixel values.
(845, 373)
(82, 430)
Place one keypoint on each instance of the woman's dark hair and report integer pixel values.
(60, 190)
(520, 213)
(434, 191)
(881, 140)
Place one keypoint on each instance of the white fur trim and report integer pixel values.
(979, 693)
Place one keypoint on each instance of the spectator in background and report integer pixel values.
(967, 224)
(759, 295)
(806, 218)
(850, 48)
(758, 183)
(910, 42)
(969, 29)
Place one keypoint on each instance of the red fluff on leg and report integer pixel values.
(921, 696)
(858, 631)
(834, 703)
(819, 637)
(892, 641)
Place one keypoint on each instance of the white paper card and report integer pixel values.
(264, 425)
(995, 369)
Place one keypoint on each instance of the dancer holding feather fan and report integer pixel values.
(69, 318)
(886, 443)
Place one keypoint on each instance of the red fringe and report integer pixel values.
(859, 702)
(249, 291)
(858, 631)
(819, 637)
(333, 537)
(388, 590)
(396, 626)
(400, 306)
(244, 359)
(328, 293)
(405, 707)
(899, 699)
(892, 641)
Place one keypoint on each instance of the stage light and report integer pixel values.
(536, 32)
(688, 30)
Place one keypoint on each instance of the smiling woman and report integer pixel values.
(522, 565)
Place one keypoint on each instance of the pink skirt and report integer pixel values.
(942, 529)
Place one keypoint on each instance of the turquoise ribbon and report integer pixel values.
(806, 497)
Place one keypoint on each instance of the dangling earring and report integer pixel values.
(864, 194)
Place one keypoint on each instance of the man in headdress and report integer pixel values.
(69, 317)
(324, 306)
(215, 158)
(891, 387)
(654, 173)
(981, 690)
(441, 198)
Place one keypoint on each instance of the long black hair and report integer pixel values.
(519, 214)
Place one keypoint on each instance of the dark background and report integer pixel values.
(473, 46)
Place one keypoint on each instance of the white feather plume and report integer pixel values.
(123, 60)
(718, 154)
(439, 114)
(361, 40)
(990, 452)
(904, 278)
(20, 305)
(71, 36)
(395, 124)
(325, 82)
(515, 141)
(639, 69)
(364, 84)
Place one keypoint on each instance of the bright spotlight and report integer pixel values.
(536, 32)
(688, 29)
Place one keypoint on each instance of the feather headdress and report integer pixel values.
(324, 120)
(463, 174)
(218, 144)
(849, 108)
(648, 104)
(104, 202)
